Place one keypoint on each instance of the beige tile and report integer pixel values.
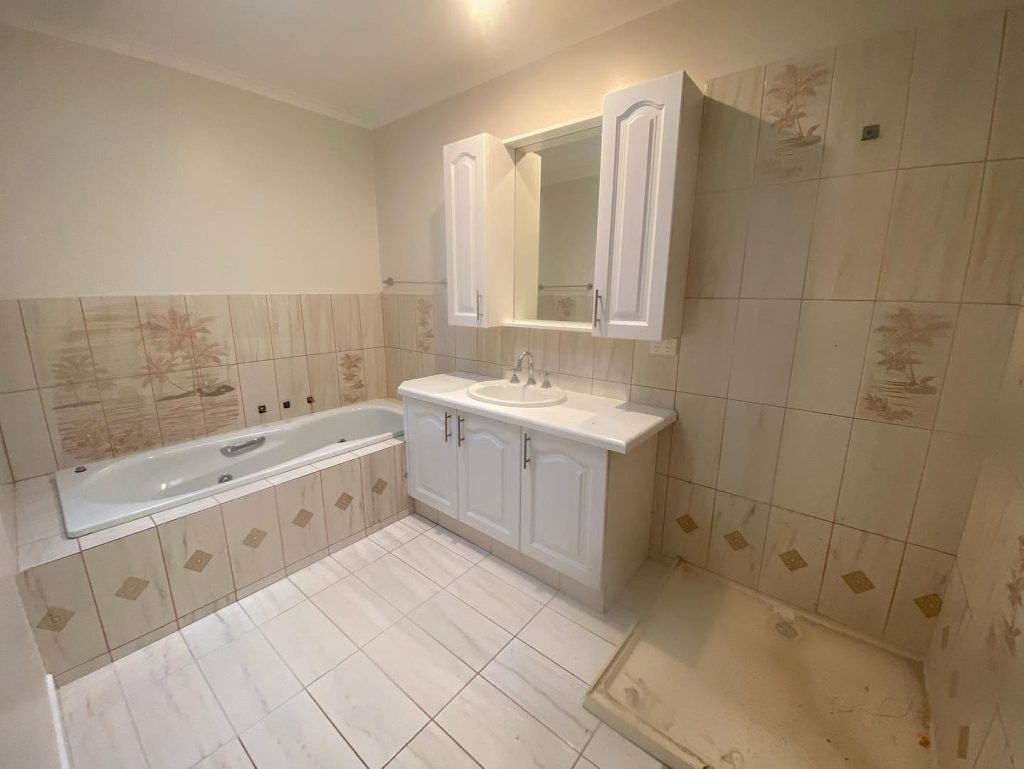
(393, 368)
(613, 360)
(317, 323)
(697, 438)
(352, 376)
(788, 148)
(944, 499)
(78, 426)
(737, 538)
(929, 239)
(883, 468)
(300, 512)
(292, 386)
(196, 557)
(652, 369)
(166, 333)
(24, 428)
(544, 346)
(905, 362)
(658, 511)
(778, 237)
(871, 81)
(488, 345)
(1007, 138)
(689, 511)
(829, 356)
(615, 390)
(115, 336)
(732, 107)
(953, 86)
(58, 341)
(851, 221)
(16, 373)
(576, 354)
(251, 323)
(465, 342)
(375, 373)
(717, 244)
(130, 412)
(705, 348)
(179, 407)
(995, 272)
(750, 448)
(811, 460)
(211, 334)
(424, 309)
(286, 332)
(254, 536)
(379, 485)
(762, 354)
(221, 399)
(371, 321)
(391, 313)
(118, 531)
(860, 576)
(130, 585)
(347, 330)
(795, 550)
(323, 380)
(918, 598)
(258, 382)
(60, 609)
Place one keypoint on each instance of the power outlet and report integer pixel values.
(664, 347)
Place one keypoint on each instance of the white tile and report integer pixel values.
(24, 427)
(370, 711)
(463, 630)
(417, 523)
(249, 679)
(610, 750)
(923, 574)
(115, 532)
(762, 354)
(811, 461)
(318, 576)
(947, 486)
(308, 642)
(97, 725)
(1007, 138)
(612, 625)
(231, 756)
(356, 609)
(716, 248)
(403, 586)
(689, 511)
(432, 749)
(433, 560)
(750, 446)
(395, 535)
(495, 599)
(499, 734)
(359, 554)
(544, 690)
(573, 647)
(795, 550)
(460, 545)
(730, 120)
(705, 347)
(517, 578)
(214, 631)
(994, 273)
(153, 662)
(737, 538)
(17, 372)
(778, 237)
(298, 736)
(697, 438)
(423, 668)
(267, 603)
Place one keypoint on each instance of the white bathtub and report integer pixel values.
(114, 491)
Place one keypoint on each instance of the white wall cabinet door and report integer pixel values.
(563, 505)
(490, 457)
(431, 455)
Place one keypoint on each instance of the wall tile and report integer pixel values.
(424, 311)
(860, 576)
(16, 373)
(750, 447)
(375, 373)
(689, 512)
(292, 386)
(351, 367)
(732, 108)
(850, 224)
(258, 382)
(342, 489)
(995, 272)
(953, 86)
(25, 434)
(654, 369)
(465, 342)
(737, 538)
(488, 345)
(348, 334)
(544, 346)
(705, 348)
(762, 355)
(613, 360)
(1007, 138)
(323, 380)
(576, 354)
(195, 555)
(130, 585)
(78, 427)
(179, 407)
(811, 461)
(220, 397)
(658, 512)
(392, 319)
(717, 243)
(778, 237)
(697, 438)
(379, 485)
(130, 412)
(115, 336)
(917, 601)
(870, 86)
(58, 341)
(286, 333)
(212, 337)
(167, 334)
(795, 550)
(883, 468)
(317, 323)
(300, 513)
(403, 501)
(616, 390)
(929, 239)
(253, 535)
(829, 356)
(250, 321)
(944, 499)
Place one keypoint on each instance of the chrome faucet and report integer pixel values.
(519, 368)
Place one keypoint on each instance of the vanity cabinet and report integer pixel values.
(431, 455)
(489, 457)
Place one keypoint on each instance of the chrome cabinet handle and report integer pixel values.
(447, 428)
(244, 446)
(526, 448)
(597, 296)
(458, 427)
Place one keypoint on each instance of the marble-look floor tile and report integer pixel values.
(417, 523)
(153, 662)
(360, 612)
(402, 586)
(298, 736)
(499, 734)
(517, 578)
(178, 719)
(495, 599)
(249, 679)
(461, 629)
(231, 756)
(395, 535)
(423, 668)
(546, 691)
(220, 628)
(433, 560)
(359, 554)
(610, 750)
(612, 626)
(318, 576)
(460, 545)
(267, 603)
(308, 642)
(573, 647)
(98, 727)
(370, 711)
(433, 749)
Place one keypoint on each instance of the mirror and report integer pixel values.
(556, 225)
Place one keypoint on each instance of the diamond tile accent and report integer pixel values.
(198, 561)
(55, 619)
(254, 538)
(930, 605)
(132, 588)
(379, 486)
(858, 582)
(302, 518)
(344, 501)
(792, 560)
(736, 540)
(686, 523)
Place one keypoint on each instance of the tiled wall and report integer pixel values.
(850, 305)
(87, 378)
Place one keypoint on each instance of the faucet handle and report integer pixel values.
(547, 382)
(515, 376)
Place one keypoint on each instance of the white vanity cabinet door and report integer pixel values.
(563, 507)
(649, 143)
(490, 458)
(430, 448)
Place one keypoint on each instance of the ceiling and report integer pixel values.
(364, 61)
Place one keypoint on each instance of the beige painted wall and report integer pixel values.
(704, 37)
(124, 177)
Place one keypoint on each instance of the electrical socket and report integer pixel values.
(664, 347)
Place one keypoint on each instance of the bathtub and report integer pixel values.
(115, 491)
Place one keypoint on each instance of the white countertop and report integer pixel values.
(606, 423)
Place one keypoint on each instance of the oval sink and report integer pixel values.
(503, 393)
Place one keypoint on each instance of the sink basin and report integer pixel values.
(503, 393)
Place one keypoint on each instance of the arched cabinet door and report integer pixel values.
(430, 455)
(489, 466)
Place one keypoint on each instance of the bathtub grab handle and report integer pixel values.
(244, 446)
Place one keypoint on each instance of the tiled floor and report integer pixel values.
(412, 649)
